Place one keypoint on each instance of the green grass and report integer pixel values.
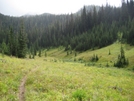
(102, 53)
(60, 82)
(11, 72)
(54, 79)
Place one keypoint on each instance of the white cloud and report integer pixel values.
(21, 7)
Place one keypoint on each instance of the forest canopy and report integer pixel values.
(91, 27)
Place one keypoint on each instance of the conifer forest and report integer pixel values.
(90, 28)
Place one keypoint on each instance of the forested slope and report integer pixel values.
(94, 28)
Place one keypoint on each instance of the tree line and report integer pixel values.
(16, 45)
(93, 27)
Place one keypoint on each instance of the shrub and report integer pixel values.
(94, 58)
(122, 61)
(107, 65)
(74, 59)
(75, 54)
(133, 68)
(79, 95)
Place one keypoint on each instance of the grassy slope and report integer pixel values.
(55, 80)
(58, 81)
(11, 72)
(102, 53)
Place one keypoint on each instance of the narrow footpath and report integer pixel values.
(21, 94)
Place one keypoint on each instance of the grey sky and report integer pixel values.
(22, 7)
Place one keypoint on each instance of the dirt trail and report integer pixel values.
(22, 85)
(22, 89)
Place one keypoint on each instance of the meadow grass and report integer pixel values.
(58, 81)
(51, 78)
(12, 71)
(103, 54)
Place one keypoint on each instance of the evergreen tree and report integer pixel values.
(130, 38)
(121, 62)
(33, 56)
(94, 15)
(84, 19)
(109, 52)
(30, 56)
(10, 41)
(15, 46)
(93, 27)
(67, 52)
(122, 53)
(35, 52)
(45, 54)
(75, 54)
(4, 48)
(39, 53)
(22, 44)
(94, 58)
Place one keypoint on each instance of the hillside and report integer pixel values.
(94, 27)
(103, 54)
(57, 77)
(69, 57)
(89, 8)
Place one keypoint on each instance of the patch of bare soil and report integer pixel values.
(22, 86)
(22, 89)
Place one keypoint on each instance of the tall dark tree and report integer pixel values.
(11, 41)
(122, 61)
(4, 48)
(92, 27)
(130, 38)
(22, 42)
(15, 46)
(84, 19)
(39, 53)
(95, 15)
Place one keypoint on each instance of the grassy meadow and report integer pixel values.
(58, 78)
(103, 54)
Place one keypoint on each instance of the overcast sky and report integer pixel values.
(22, 7)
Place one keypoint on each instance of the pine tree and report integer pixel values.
(94, 15)
(33, 56)
(75, 54)
(122, 53)
(67, 53)
(10, 41)
(35, 52)
(2, 53)
(4, 48)
(15, 47)
(39, 53)
(109, 52)
(22, 44)
(121, 62)
(84, 19)
(30, 56)
(45, 54)
(96, 58)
